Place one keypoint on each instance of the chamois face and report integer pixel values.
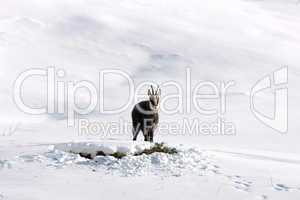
(154, 98)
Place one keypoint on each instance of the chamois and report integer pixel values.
(145, 115)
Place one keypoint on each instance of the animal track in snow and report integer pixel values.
(281, 187)
(240, 183)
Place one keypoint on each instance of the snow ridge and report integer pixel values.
(189, 161)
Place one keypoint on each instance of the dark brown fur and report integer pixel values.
(145, 116)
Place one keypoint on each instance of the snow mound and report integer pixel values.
(106, 147)
(189, 161)
(162, 164)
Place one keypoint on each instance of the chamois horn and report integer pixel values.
(152, 90)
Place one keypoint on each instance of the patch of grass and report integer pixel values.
(158, 147)
(118, 155)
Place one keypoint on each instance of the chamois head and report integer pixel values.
(154, 98)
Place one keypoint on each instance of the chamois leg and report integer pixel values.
(146, 135)
(135, 130)
(150, 135)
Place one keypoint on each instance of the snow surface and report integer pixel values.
(192, 173)
(238, 40)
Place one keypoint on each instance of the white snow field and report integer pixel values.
(217, 40)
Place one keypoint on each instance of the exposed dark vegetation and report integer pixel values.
(157, 147)
(86, 155)
(118, 155)
(100, 153)
(89, 156)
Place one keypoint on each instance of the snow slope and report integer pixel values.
(220, 41)
(193, 173)
(155, 40)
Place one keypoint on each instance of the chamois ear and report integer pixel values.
(149, 93)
